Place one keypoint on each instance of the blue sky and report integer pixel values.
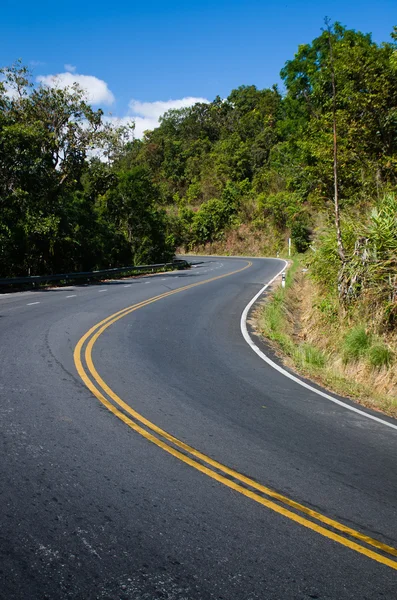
(160, 51)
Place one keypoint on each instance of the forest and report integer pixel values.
(238, 174)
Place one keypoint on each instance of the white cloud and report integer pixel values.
(9, 91)
(158, 108)
(146, 114)
(120, 122)
(97, 90)
(70, 68)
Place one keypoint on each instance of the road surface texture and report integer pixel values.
(156, 456)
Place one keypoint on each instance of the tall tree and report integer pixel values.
(341, 250)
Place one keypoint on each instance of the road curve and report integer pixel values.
(194, 471)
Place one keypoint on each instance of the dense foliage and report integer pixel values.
(62, 208)
(257, 161)
(262, 158)
(266, 160)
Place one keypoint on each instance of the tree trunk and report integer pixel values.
(341, 250)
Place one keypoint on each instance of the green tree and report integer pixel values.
(131, 205)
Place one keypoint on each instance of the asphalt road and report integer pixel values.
(99, 503)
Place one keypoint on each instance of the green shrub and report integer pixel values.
(328, 307)
(380, 355)
(323, 261)
(313, 356)
(281, 207)
(301, 233)
(308, 355)
(382, 229)
(355, 344)
(210, 221)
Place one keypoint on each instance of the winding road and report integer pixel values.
(148, 453)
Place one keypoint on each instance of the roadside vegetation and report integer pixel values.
(342, 349)
(239, 175)
(66, 202)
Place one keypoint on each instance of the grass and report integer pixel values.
(356, 344)
(338, 351)
(379, 355)
(310, 356)
(273, 318)
(359, 344)
(245, 240)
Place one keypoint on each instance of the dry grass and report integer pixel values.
(312, 336)
(246, 240)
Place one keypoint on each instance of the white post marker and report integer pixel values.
(289, 246)
(283, 280)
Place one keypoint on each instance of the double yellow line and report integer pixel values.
(246, 486)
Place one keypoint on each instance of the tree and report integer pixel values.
(341, 250)
(57, 161)
(131, 205)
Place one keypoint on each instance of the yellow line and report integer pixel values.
(244, 479)
(123, 312)
(98, 329)
(314, 514)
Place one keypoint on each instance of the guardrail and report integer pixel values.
(35, 279)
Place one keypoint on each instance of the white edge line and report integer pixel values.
(72, 296)
(262, 355)
(31, 303)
